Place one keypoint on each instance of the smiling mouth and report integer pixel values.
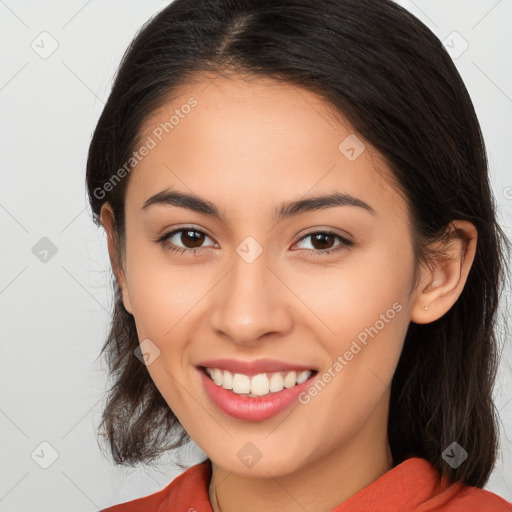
(262, 384)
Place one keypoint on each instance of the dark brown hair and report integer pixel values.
(392, 79)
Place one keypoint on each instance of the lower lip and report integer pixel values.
(248, 408)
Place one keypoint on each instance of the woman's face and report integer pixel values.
(262, 284)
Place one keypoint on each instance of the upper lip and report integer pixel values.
(254, 367)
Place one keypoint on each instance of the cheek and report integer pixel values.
(163, 298)
(161, 291)
(163, 308)
(167, 299)
(361, 317)
(353, 293)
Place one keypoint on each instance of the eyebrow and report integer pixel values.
(291, 208)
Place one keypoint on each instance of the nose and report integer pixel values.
(251, 302)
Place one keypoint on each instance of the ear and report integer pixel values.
(108, 222)
(441, 285)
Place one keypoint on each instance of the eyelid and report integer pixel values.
(166, 235)
(309, 231)
(345, 242)
(179, 227)
(325, 229)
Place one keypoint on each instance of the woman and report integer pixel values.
(307, 260)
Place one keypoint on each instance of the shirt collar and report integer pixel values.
(413, 485)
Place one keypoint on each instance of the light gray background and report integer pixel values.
(55, 315)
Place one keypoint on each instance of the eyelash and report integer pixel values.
(173, 248)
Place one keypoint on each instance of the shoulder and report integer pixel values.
(473, 498)
(416, 485)
(188, 491)
(458, 497)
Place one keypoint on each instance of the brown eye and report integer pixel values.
(184, 240)
(322, 240)
(191, 238)
(322, 243)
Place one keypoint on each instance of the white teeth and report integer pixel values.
(276, 383)
(217, 376)
(257, 385)
(241, 384)
(290, 380)
(303, 376)
(227, 380)
(260, 385)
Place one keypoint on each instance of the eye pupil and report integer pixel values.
(321, 237)
(198, 238)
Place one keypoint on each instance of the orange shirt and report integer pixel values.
(412, 486)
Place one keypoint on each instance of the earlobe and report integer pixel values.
(442, 284)
(107, 221)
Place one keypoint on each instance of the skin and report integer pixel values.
(247, 147)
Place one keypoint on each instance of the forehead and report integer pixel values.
(252, 137)
(246, 111)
